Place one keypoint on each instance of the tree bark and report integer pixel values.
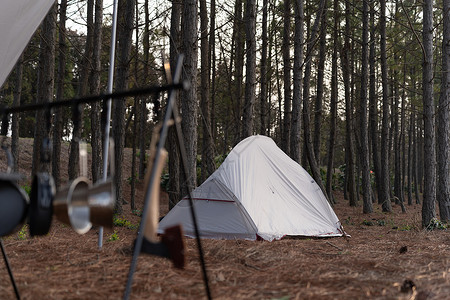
(172, 144)
(46, 80)
(306, 120)
(263, 109)
(96, 130)
(16, 117)
(349, 145)
(443, 130)
(207, 164)
(189, 101)
(429, 166)
(286, 128)
(124, 35)
(319, 97)
(373, 103)
(250, 78)
(297, 81)
(384, 197)
(58, 121)
(364, 151)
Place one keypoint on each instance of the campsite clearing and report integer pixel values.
(384, 252)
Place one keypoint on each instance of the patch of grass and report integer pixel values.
(367, 223)
(122, 222)
(437, 224)
(27, 189)
(137, 212)
(113, 237)
(22, 234)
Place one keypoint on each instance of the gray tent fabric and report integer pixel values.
(257, 192)
(19, 19)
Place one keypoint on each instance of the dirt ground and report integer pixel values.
(387, 257)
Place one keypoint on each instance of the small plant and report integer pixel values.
(113, 237)
(436, 224)
(137, 212)
(406, 227)
(367, 223)
(27, 189)
(22, 234)
(122, 222)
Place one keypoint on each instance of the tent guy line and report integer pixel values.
(90, 99)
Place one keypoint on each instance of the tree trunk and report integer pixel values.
(207, 165)
(172, 144)
(297, 81)
(143, 111)
(189, 101)
(16, 117)
(373, 102)
(319, 96)
(124, 35)
(239, 42)
(96, 130)
(82, 91)
(429, 166)
(384, 197)
(364, 151)
(306, 120)
(443, 130)
(58, 121)
(250, 78)
(349, 146)
(333, 106)
(286, 128)
(263, 109)
(45, 89)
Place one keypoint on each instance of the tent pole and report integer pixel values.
(112, 55)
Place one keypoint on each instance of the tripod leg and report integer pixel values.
(9, 270)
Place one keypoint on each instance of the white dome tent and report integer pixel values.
(257, 192)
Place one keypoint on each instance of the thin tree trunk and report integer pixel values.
(45, 90)
(297, 81)
(189, 100)
(286, 128)
(250, 78)
(16, 117)
(306, 120)
(263, 110)
(384, 197)
(77, 114)
(96, 130)
(124, 35)
(349, 146)
(443, 130)
(238, 37)
(373, 102)
(429, 166)
(207, 165)
(364, 151)
(172, 144)
(143, 112)
(333, 106)
(58, 120)
(319, 96)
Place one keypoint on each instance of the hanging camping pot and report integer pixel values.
(13, 199)
(101, 198)
(13, 204)
(42, 194)
(71, 205)
(41, 204)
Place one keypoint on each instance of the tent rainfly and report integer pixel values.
(257, 192)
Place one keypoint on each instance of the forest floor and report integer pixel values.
(388, 256)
